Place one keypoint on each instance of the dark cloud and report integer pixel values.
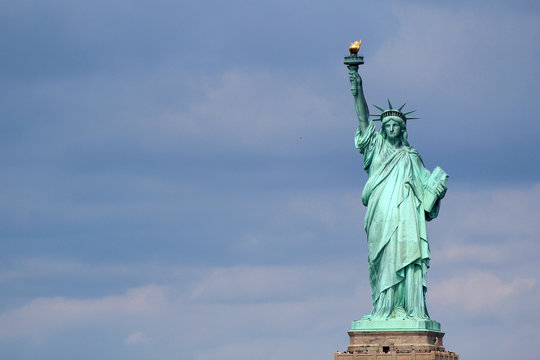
(220, 134)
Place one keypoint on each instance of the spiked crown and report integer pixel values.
(392, 112)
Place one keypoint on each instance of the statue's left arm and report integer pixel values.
(440, 191)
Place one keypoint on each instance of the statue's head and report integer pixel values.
(394, 127)
(394, 122)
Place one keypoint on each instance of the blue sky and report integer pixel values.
(179, 179)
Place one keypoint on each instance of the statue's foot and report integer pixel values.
(399, 313)
(366, 317)
(419, 317)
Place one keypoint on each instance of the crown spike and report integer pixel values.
(409, 112)
(378, 107)
(389, 104)
(412, 118)
(402, 106)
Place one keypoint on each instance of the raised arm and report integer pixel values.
(360, 104)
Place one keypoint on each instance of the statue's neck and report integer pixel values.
(395, 142)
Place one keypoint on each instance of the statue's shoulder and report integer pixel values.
(412, 151)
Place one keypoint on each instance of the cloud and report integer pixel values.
(466, 252)
(251, 110)
(508, 212)
(445, 50)
(461, 68)
(489, 227)
(245, 284)
(43, 317)
(208, 142)
(134, 338)
(479, 292)
(241, 297)
(273, 304)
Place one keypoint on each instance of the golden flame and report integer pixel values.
(355, 46)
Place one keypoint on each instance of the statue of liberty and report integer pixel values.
(400, 195)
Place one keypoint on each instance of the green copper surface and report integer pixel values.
(400, 195)
(395, 325)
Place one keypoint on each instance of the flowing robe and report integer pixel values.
(395, 225)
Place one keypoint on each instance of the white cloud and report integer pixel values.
(272, 283)
(462, 53)
(331, 209)
(508, 212)
(466, 252)
(495, 226)
(225, 303)
(274, 304)
(44, 316)
(134, 338)
(482, 292)
(251, 110)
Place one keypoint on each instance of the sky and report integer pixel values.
(179, 179)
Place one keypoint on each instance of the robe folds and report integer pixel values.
(395, 225)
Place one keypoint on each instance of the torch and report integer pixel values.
(353, 61)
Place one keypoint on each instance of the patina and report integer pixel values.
(400, 195)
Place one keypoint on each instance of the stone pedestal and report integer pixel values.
(398, 356)
(397, 344)
(403, 341)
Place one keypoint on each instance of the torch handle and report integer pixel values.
(354, 84)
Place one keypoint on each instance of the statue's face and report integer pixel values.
(392, 129)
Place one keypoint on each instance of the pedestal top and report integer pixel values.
(395, 325)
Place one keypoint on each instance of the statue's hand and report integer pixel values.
(441, 191)
(356, 80)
